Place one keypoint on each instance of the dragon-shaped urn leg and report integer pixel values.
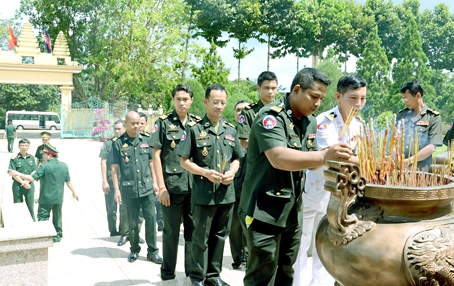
(345, 183)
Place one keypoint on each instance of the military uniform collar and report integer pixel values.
(423, 110)
(19, 155)
(260, 104)
(132, 140)
(206, 124)
(287, 108)
(175, 118)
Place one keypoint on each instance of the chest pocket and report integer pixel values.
(204, 142)
(174, 134)
(228, 142)
(145, 150)
(294, 142)
(30, 162)
(19, 164)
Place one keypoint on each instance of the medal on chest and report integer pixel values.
(204, 152)
(126, 159)
(173, 144)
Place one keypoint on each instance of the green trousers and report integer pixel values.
(44, 214)
(10, 144)
(19, 193)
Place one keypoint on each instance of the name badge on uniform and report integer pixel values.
(144, 145)
(422, 123)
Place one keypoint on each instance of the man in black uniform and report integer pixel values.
(174, 182)
(419, 119)
(211, 152)
(132, 157)
(106, 156)
(267, 89)
(281, 144)
(236, 237)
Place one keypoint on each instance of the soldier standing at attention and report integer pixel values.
(10, 134)
(211, 153)
(25, 164)
(106, 156)
(159, 220)
(45, 138)
(236, 237)
(417, 117)
(132, 159)
(267, 89)
(53, 175)
(174, 182)
(282, 143)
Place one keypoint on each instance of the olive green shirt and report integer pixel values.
(133, 156)
(428, 126)
(39, 152)
(23, 164)
(107, 154)
(271, 195)
(10, 131)
(246, 118)
(168, 131)
(209, 149)
(52, 177)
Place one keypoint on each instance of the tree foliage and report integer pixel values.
(333, 70)
(212, 70)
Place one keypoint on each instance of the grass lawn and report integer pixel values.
(439, 150)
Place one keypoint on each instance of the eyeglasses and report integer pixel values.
(219, 102)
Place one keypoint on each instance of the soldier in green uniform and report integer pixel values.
(211, 152)
(10, 134)
(106, 156)
(281, 144)
(237, 241)
(419, 119)
(132, 159)
(25, 164)
(267, 89)
(45, 138)
(53, 175)
(174, 182)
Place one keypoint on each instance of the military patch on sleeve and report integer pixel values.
(269, 122)
(322, 126)
(155, 128)
(241, 119)
(183, 136)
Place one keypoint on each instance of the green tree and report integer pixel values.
(437, 27)
(212, 70)
(411, 64)
(122, 44)
(333, 70)
(374, 67)
(390, 26)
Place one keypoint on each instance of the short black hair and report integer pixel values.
(10, 122)
(350, 82)
(182, 87)
(266, 75)
(24, 141)
(215, 86)
(241, 101)
(306, 78)
(141, 114)
(413, 87)
(120, 121)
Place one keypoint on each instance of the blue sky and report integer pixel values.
(255, 63)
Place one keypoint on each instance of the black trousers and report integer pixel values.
(211, 229)
(179, 210)
(272, 251)
(133, 208)
(237, 240)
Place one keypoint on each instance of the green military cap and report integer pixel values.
(50, 149)
(45, 134)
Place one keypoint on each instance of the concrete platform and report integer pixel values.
(87, 255)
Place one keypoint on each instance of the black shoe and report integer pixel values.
(199, 283)
(132, 257)
(217, 281)
(155, 258)
(141, 241)
(123, 240)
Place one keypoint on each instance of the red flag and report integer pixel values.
(12, 41)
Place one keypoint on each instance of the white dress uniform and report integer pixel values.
(316, 198)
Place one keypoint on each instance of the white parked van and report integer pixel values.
(33, 119)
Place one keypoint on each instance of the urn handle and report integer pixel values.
(345, 183)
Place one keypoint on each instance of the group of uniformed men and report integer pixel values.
(277, 198)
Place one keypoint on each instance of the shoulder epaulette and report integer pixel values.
(195, 116)
(192, 123)
(230, 124)
(146, 134)
(403, 110)
(331, 116)
(277, 108)
(249, 106)
(433, 111)
(14, 157)
(114, 139)
(164, 117)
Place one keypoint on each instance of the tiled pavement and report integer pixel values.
(87, 255)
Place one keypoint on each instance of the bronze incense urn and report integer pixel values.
(386, 235)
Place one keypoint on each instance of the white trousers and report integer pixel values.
(320, 277)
